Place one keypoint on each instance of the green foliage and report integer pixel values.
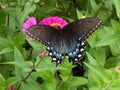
(2, 83)
(21, 66)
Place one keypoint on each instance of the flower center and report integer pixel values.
(56, 25)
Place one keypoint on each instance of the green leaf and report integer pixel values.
(34, 0)
(107, 41)
(94, 88)
(115, 48)
(15, 13)
(20, 64)
(103, 15)
(36, 45)
(91, 59)
(115, 85)
(4, 42)
(46, 61)
(111, 62)
(65, 73)
(4, 31)
(95, 81)
(48, 77)
(28, 8)
(18, 58)
(117, 6)
(106, 37)
(25, 66)
(92, 40)
(2, 83)
(30, 84)
(17, 55)
(51, 85)
(116, 27)
(12, 80)
(94, 5)
(104, 74)
(6, 50)
(100, 55)
(2, 17)
(74, 82)
(79, 14)
(66, 4)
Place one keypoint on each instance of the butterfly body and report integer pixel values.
(68, 41)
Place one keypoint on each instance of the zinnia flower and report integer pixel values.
(29, 22)
(54, 22)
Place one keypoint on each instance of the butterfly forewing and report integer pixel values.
(83, 27)
(41, 33)
(50, 37)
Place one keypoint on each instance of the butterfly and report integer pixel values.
(68, 41)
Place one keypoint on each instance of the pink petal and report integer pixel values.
(30, 38)
(11, 87)
(29, 22)
(53, 19)
(41, 54)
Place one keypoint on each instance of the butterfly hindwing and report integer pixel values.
(75, 34)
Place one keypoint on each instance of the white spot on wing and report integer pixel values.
(81, 49)
(76, 59)
(82, 43)
(34, 36)
(58, 61)
(48, 48)
(31, 35)
(79, 55)
(54, 59)
(50, 54)
(38, 39)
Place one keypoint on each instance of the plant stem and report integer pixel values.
(28, 75)
(30, 55)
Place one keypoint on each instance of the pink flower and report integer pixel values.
(54, 22)
(42, 54)
(29, 22)
(118, 69)
(11, 87)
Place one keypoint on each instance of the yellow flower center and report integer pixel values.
(56, 25)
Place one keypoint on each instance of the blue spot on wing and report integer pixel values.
(70, 55)
(77, 50)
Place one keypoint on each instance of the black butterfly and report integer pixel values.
(69, 41)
